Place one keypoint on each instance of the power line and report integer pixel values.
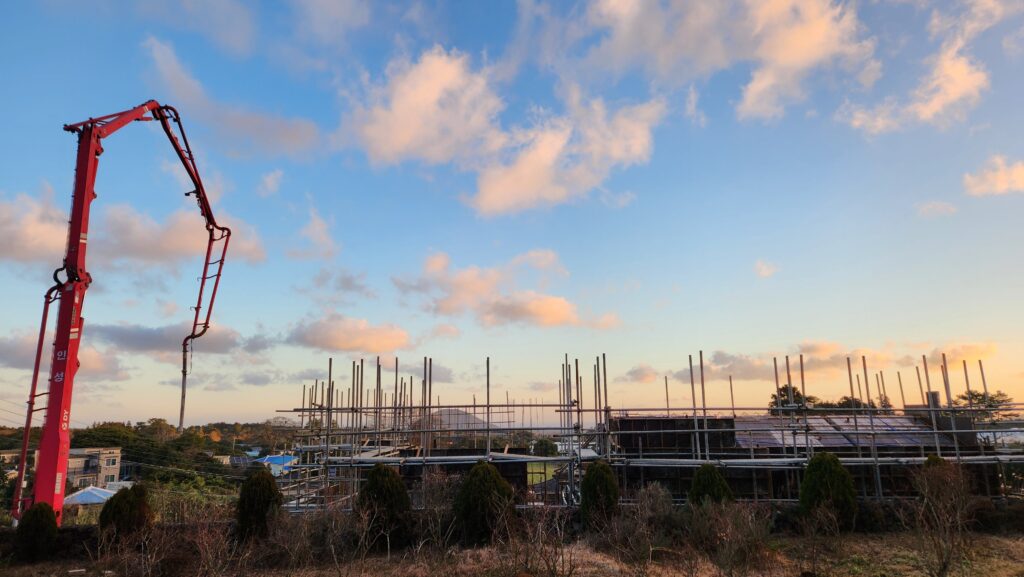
(158, 457)
(200, 473)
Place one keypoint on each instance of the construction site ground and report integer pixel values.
(860, 555)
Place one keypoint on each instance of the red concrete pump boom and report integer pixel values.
(52, 460)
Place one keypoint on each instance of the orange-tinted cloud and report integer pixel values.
(439, 109)
(317, 235)
(490, 294)
(18, 351)
(436, 109)
(765, 269)
(998, 177)
(125, 234)
(336, 332)
(784, 40)
(35, 229)
(32, 229)
(642, 373)
(563, 158)
(954, 82)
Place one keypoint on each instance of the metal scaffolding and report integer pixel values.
(762, 451)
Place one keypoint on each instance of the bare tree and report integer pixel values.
(942, 515)
(435, 519)
(820, 527)
(638, 533)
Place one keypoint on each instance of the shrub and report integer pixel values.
(743, 534)
(882, 516)
(1003, 518)
(258, 501)
(435, 522)
(828, 484)
(483, 499)
(37, 532)
(545, 448)
(599, 493)
(709, 486)
(127, 512)
(642, 530)
(384, 498)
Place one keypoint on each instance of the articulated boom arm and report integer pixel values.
(54, 446)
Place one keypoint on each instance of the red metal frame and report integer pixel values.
(52, 461)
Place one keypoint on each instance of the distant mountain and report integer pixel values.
(452, 419)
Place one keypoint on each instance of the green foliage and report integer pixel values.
(997, 405)
(482, 502)
(828, 484)
(127, 512)
(599, 493)
(258, 501)
(709, 486)
(545, 448)
(6, 491)
(934, 461)
(37, 533)
(784, 392)
(845, 402)
(104, 435)
(384, 497)
(161, 454)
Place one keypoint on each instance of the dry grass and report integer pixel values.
(857, 555)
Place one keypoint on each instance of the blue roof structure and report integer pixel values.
(278, 464)
(89, 496)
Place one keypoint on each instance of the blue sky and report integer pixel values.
(522, 180)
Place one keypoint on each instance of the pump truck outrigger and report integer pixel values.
(52, 460)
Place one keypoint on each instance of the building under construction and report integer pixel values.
(762, 451)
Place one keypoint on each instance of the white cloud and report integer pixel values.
(270, 183)
(827, 360)
(318, 234)
(1013, 43)
(333, 286)
(935, 208)
(996, 178)
(227, 23)
(329, 21)
(692, 110)
(669, 41)
(884, 117)
(436, 109)
(245, 130)
(167, 308)
(617, 200)
(162, 341)
(447, 331)
(18, 351)
(785, 40)
(765, 269)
